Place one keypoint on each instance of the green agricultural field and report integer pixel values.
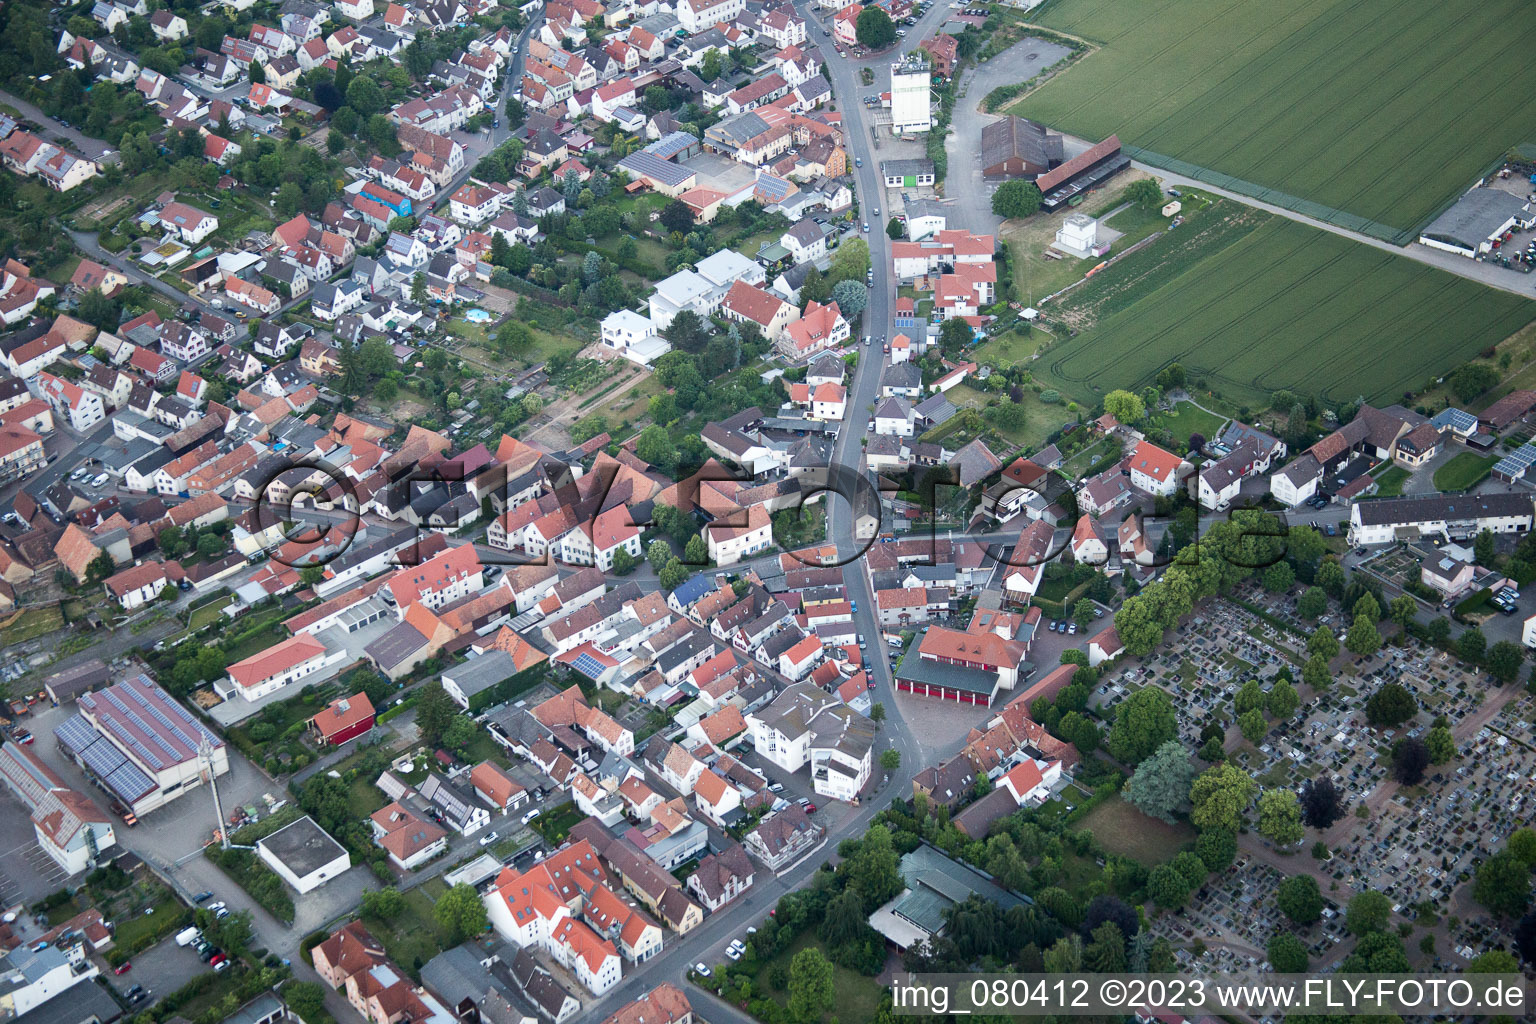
(1254, 303)
(1382, 112)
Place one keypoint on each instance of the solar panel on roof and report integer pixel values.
(588, 665)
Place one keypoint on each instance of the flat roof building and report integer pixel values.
(303, 854)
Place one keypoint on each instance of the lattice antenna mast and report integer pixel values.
(205, 759)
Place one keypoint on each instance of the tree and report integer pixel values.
(306, 999)
(687, 331)
(1168, 887)
(513, 337)
(655, 446)
(851, 297)
(696, 551)
(1113, 910)
(365, 96)
(172, 541)
(1315, 673)
(1217, 849)
(1401, 609)
(851, 262)
(1299, 899)
(877, 713)
(434, 710)
(1145, 193)
(1441, 744)
(257, 73)
(1522, 843)
(955, 334)
(1330, 576)
(1323, 642)
(1287, 954)
(1277, 578)
(1321, 803)
(810, 984)
(1390, 706)
(874, 29)
(460, 912)
(99, 568)
(1220, 795)
(658, 554)
(1471, 645)
(1106, 953)
(382, 903)
(1368, 912)
(1160, 784)
(890, 759)
(1282, 700)
(1252, 725)
(1143, 723)
(1249, 697)
(672, 575)
(1473, 379)
(677, 216)
(1503, 884)
(1016, 198)
(1483, 548)
(1366, 605)
(1280, 816)
(1409, 761)
(1503, 661)
(894, 229)
(231, 933)
(1363, 638)
(1124, 406)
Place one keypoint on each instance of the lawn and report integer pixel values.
(1389, 482)
(1250, 303)
(1126, 831)
(1041, 419)
(1008, 348)
(1317, 100)
(1186, 418)
(208, 614)
(413, 936)
(1463, 472)
(858, 997)
(31, 624)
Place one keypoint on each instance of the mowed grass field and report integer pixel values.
(1383, 111)
(1255, 303)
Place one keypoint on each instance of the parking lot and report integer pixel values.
(27, 874)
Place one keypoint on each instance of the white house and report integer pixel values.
(806, 726)
(191, 225)
(1154, 470)
(298, 657)
(1458, 517)
(742, 535)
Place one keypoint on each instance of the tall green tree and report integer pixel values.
(434, 711)
(811, 991)
(1142, 723)
(460, 912)
(1280, 816)
(1220, 795)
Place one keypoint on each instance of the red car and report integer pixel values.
(124, 967)
(810, 808)
(216, 959)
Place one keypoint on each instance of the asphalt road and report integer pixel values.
(94, 149)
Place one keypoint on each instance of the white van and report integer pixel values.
(530, 815)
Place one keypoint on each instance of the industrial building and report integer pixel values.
(140, 746)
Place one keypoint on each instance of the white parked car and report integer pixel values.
(530, 815)
(489, 838)
(98, 479)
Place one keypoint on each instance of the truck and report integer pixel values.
(187, 936)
